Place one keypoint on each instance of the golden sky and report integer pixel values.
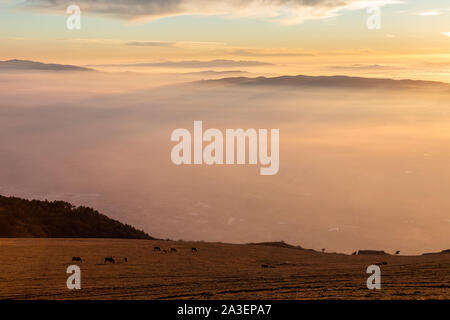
(314, 37)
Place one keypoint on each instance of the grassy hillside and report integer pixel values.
(20, 218)
(34, 269)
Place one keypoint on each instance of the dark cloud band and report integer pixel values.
(289, 10)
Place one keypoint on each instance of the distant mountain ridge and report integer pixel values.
(447, 251)
(20, 218)
(33, 65)
(329, 82)
(278, 244)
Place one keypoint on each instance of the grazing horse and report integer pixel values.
(110, 260)
(75, 259)
(173, 250)
(194, 250)
(164, 251)
(156, 249)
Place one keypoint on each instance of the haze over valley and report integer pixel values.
(362, 164)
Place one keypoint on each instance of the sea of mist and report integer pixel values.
(359, 169)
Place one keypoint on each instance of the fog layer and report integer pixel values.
(359, 168)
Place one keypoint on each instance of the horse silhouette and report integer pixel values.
(77, 259)
(110, 260)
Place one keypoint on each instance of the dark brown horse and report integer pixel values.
(77, 259)
(110, 260)
(194, 250)
(156, 249)
(173, 250)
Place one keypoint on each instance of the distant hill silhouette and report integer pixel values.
(330, 82)
(370, 252)
(278, 244)
(20, 218)
(214, 73)
(24, 65)
(447, 251)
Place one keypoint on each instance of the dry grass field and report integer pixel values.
(36, 269)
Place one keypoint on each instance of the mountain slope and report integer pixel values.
(330, 82)
(20, 218)
(24, 65)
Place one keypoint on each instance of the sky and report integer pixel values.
(313, 35)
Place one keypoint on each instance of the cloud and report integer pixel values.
(260, 52)
(180, 44)
(150, 44)
(446, 33)
(218, 63)
(364, 67)
(284, 11)
(429, 13)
